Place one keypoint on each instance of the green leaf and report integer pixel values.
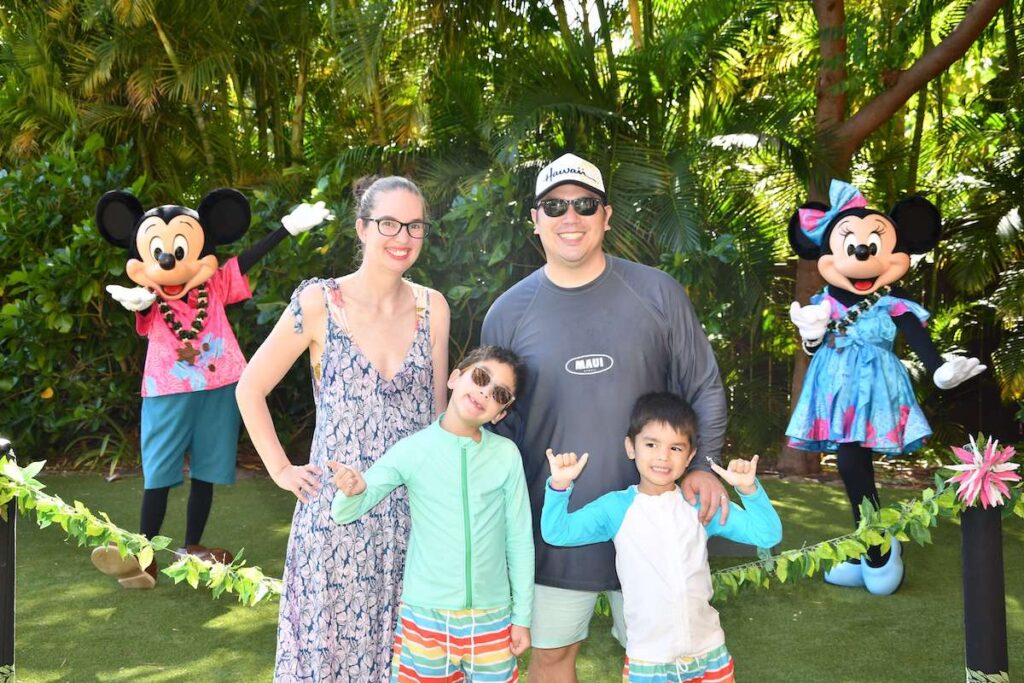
(872, 537)
(782, 569)
(160, 542)
(852, 547)
(30, 471)
(145, 556)
(12, 472)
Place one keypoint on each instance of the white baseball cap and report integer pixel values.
(569, 169)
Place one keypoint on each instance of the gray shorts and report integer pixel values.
(561, 616)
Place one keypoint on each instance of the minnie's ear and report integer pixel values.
(798, 239)
(225, 215)
(918, 225)
(117, 216)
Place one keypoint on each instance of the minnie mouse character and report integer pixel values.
(193, 361)
(857, 397)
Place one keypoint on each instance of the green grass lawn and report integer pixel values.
(74, 624)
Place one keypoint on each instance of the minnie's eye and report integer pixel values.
(180, 247)
(874, 243)
(156, 247)
(850, 244)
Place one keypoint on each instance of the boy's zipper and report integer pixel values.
(466, 531)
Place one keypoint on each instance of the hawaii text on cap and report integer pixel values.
(567, 169)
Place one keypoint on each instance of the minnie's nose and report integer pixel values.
(862, 252)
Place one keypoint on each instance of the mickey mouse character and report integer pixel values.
(193, 361)
(857, 397)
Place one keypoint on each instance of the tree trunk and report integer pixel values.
(606, 38)
(922, 111)
(263, 145)
(634, 20)
(829, 112)
(277, 128)
(1012, 54)
(298, 116)
(563, 22)
(838, 140)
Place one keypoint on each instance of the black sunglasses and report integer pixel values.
(502, 395)
(585, 206)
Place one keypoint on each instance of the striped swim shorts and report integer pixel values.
(712, 667)
(449, 646)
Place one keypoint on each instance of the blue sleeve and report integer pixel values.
(595, 522)
(383, 477)
(755, 523)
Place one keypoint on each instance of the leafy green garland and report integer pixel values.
(906, 520)
(248, 583)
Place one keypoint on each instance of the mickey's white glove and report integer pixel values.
(132, 298)
(305, 217)
(957, 370)
(811, 320)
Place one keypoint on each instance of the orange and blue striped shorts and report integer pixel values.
(712, 667)
(450, 646)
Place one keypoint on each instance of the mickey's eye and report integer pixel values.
(180, 247)
(874, 243)
(850, 244)
(156, 247)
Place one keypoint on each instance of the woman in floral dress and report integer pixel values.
(378, 348)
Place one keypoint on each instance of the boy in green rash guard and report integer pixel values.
(468, 586)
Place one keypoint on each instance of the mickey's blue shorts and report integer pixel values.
(204, 423)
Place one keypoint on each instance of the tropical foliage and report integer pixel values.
(711, 119)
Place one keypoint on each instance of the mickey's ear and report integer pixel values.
(117, 216)
(798, 239)
(918, 225)
(225, 215)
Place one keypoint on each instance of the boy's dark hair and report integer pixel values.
(667, 408)
(501, 355)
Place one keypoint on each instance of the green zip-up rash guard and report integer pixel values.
(471, 545)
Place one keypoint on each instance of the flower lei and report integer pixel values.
(183, 333)
(853, 312)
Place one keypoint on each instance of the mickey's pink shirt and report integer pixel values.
(219, 362)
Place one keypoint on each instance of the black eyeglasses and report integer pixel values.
(389, 227)
(585, 206)
(501, 394)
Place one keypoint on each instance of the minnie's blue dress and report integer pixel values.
(857, 390)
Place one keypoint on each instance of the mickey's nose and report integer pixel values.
(861, 252)
(166, 260)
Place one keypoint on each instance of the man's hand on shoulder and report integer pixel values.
(711, 492)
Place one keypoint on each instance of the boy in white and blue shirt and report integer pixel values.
(672, 631)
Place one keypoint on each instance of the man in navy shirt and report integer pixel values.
(596, 332)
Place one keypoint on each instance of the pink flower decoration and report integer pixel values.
(818, 430)
(984, 474)
(872, 435)
(896, 435)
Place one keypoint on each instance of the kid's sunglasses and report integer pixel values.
(502, 395)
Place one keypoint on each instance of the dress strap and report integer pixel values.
(334, 301)
(422, 296)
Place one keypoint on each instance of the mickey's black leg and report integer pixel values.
(200, 499)
(154, 507)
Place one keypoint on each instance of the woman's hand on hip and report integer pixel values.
(302, 480)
